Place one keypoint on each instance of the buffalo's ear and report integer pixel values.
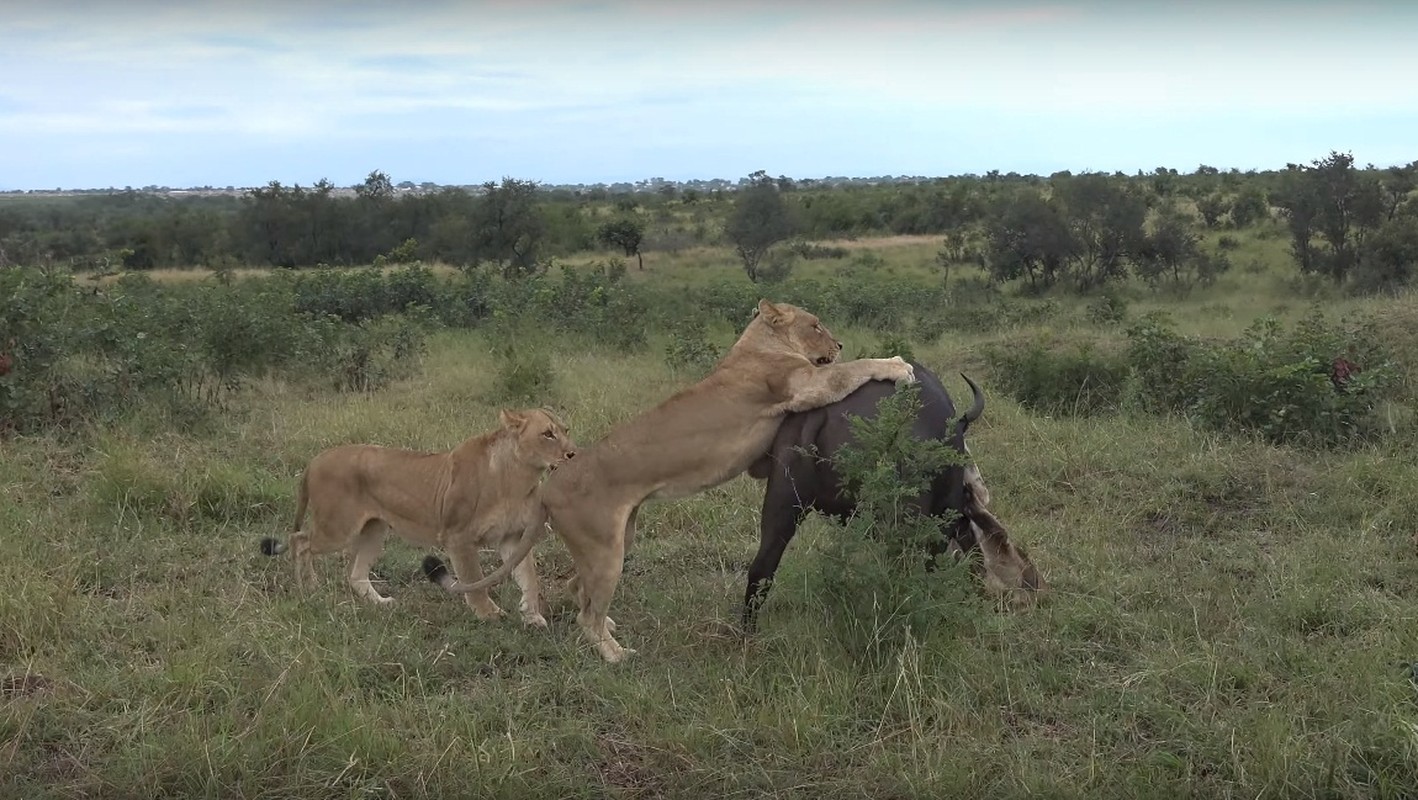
(512, 420)
(771, 314)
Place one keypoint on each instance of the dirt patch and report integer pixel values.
(630, 767)
(881, 242)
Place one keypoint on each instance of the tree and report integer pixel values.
(1105, 219)
(376, 187)
(1171, 252)
(507, 227)
(760, 219)
(374, 201)
(1164, 181)
(1248, 207)
(1397, 183)
(1391, 257)
(1336, 203)
(626, 234)
(1211, 207)
(1027, 236)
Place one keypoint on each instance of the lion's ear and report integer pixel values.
(770, 313)
(512, 420)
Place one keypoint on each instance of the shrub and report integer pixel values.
(405, 253)
(596, 302)
(33, 342)
(812, 250)
(1317, 384)
(775, 267)
(892, 344)
(1292, 386)
(361, 294)
(1077, 380)
(525, 374)
(869, 576)
(1161, 363)
(368, 355)
(1109, 308)
(1391, 256)
(689, 349)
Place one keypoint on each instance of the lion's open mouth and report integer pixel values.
(823, 361)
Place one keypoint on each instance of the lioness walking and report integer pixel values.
(483, 492)
(784, 361)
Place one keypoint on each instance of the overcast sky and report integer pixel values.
(96, 94)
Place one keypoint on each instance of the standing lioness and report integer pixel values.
(483, 492)
(698, 438)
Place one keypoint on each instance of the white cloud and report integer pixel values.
(595, 76)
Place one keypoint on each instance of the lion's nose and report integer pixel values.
(839, 344)
(570, 453)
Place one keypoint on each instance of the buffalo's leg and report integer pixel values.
(777, 526)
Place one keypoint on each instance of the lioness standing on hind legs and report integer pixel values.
(699, 438)
(483, 492)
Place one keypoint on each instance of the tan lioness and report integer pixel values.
(784, 361)
(483, 492)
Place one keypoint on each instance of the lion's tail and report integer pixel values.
(436, 572)
(271, 546)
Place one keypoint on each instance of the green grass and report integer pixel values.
(1228, 618)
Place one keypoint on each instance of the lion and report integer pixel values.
(483, 492)
(700, 437)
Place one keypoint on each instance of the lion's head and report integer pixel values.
(542, 441)
(787, 328)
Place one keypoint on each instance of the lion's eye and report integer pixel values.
(817, 328)
(549, 434)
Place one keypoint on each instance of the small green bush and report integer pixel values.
(1073, 380)
(525, 374)
(870, 575)
(890, 345)
(813, 250)
(1109, 308)
(689, 349)
(1285, 385)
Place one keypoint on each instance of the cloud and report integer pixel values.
(581, 86)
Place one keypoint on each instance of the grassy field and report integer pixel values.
(1228, 618)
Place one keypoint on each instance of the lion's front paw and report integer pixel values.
(898, 370)
(534, 620)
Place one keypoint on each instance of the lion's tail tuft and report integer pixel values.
(435, 571)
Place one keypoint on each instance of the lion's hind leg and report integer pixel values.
(597, 545)
(303, 558)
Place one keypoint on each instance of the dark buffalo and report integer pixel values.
(802, 476)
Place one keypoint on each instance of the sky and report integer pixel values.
(99, 94)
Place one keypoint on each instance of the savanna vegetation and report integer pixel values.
(1201, 424)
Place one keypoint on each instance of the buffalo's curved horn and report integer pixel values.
(978, 407)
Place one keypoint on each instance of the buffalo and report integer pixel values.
(801, 476)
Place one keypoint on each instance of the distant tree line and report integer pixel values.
(1092, 229)
(1081, 231)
